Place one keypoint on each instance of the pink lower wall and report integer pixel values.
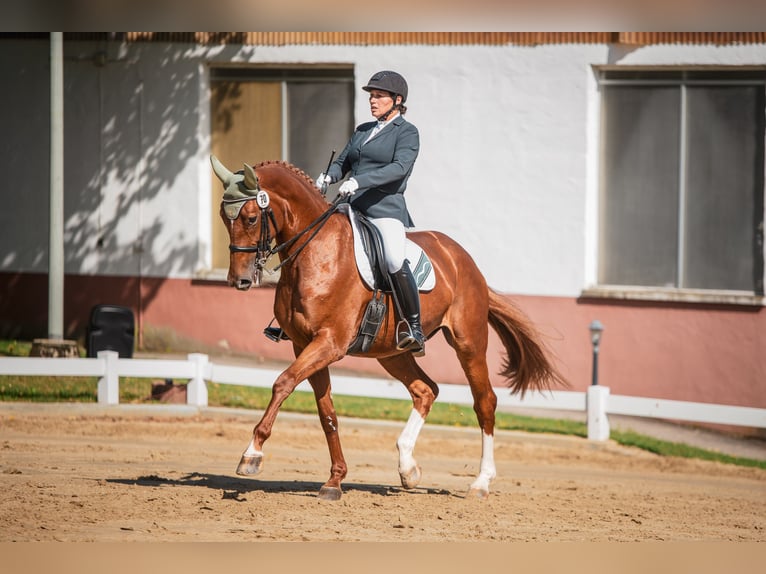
(702, 353)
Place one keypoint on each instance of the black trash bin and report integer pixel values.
(111, 328)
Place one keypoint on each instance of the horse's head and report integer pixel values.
(244, 213)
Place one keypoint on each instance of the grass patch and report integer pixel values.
(13, 348)
(68, 389)
(666, 448)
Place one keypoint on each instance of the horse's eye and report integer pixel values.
(252, 219)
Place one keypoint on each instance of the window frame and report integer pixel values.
(276, 73)
(681, 77)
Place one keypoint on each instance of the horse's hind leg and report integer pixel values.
(423, 392)
(320, 382)
(470, 344)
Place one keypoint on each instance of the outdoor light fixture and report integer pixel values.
(597, 396)
(596, 328)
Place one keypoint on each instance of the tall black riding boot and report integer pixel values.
(409, 335)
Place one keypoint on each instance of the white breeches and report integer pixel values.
(394, 241)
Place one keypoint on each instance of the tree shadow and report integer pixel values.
(131, 120)
(233, 487)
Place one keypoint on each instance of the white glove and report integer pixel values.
(323, 181)
(348, 187)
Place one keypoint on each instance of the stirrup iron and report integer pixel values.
(275, 334)
(406, 340)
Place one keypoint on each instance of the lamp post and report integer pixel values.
(597, 396)
(596, 328)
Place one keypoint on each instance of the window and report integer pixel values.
(289, 113)
(682, 179)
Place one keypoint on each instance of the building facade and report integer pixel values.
(617, 177)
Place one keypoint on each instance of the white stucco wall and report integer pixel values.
(502, 166)
(508, 163)
(509, 145)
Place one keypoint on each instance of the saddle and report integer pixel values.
(371, 264)
(368, 253)
(372, 244)
(375, 313)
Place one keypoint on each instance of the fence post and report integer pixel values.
(598, 423)
(196, 390)
(109, 384)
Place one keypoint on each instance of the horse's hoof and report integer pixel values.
(329, 493)
(249, 465)
(411, 478)
(480, 493)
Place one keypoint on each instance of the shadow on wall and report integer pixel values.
(131, 121)
(120, 203)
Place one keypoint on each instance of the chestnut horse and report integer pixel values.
(320, 300)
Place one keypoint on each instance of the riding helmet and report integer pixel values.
(388, 81)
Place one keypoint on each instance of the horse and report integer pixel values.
(320, 299)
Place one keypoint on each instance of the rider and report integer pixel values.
(379, 157)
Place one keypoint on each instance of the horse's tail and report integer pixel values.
(527, 364)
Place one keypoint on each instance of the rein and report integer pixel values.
(262, 249)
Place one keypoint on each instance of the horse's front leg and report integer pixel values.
(320, 382)
(316, 356)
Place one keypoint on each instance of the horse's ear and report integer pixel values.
(251, 179)
(220, 171)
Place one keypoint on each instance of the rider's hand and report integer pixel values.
(348, 187)
(323, 181)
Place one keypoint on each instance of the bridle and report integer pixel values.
(262, 248)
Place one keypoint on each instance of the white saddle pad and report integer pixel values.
(420, 264)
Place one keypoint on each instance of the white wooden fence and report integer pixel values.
(597, 402)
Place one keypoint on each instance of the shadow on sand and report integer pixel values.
(233, 486)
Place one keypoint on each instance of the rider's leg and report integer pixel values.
(407, 290)
(394, 246)
(394, 241)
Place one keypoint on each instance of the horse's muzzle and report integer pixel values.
(241, 283)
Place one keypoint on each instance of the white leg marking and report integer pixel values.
(406, 441)
(487, 469)
(251, 450)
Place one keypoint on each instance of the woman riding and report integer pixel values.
(379, 158)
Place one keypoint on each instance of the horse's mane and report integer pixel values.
(296, 171)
